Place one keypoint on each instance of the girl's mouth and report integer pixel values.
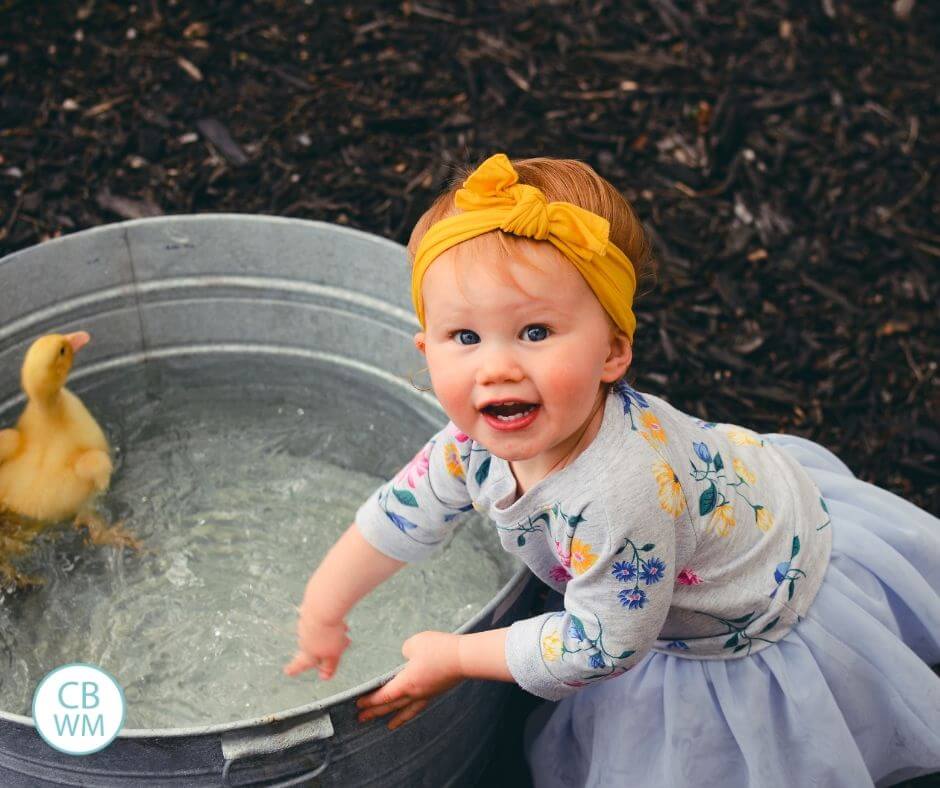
(506, 416)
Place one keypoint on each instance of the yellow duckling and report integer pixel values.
(56, 460)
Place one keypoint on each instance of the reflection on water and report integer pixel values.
(237, 478)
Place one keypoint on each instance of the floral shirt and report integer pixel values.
(666, 533)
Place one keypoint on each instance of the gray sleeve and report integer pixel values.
(615, 606)
(410, 516)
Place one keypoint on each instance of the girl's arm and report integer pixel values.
(482, 655)
(405, 520)
(351, 569)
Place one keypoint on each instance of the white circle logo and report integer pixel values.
(78, 709)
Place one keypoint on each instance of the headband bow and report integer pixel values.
(493, 199)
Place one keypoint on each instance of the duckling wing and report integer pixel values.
(9, 443)
(94, 466)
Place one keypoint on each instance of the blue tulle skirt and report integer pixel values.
(845, 699)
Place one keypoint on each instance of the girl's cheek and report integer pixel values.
(567, 382)
(458, 407)
(448, 392)
(451, 389)
(571, 388)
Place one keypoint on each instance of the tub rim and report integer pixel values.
(227, 216)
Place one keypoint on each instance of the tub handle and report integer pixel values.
(237, 745)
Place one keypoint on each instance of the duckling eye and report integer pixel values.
(62, 350)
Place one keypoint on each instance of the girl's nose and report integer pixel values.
(498, 366)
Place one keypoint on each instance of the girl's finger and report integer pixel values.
(380, 711)
(327, 667)
(299, 664)
(408, 713)
(390, 692)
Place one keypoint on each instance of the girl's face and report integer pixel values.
(517, 347)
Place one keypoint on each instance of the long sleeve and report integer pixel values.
(410, 516)
(620, 556)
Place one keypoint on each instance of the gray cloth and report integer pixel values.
(665, 533)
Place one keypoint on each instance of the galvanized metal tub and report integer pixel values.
(243, 287)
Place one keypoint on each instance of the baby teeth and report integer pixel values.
(515, 416)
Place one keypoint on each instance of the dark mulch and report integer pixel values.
(783, 154)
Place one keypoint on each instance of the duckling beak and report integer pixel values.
(78, 340)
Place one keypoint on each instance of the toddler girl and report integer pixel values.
(739, 609)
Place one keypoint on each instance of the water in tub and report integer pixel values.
(237, 476)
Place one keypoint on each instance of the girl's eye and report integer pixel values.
(535, 333)
(466, 337)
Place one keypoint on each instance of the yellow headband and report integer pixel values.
(492, 199)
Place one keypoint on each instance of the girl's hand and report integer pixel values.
(319, 645)
(433, 667)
